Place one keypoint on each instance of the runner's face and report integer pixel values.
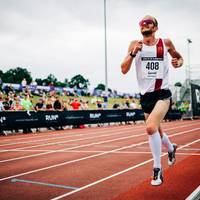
(147, 26)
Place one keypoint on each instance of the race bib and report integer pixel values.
(152, 67)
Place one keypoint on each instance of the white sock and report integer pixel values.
(155, 146)
(166, 142)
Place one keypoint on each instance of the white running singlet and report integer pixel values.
(152, 67)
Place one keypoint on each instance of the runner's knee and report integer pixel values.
(151, 128)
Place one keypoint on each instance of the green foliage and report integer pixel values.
(100, 86)
(51, 79)
(79, 82)
(1, 73)
(60, 84)
(39, 81)
(178, 84)
(16, 75)
(66, 81)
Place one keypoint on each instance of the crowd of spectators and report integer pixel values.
(11, 100)
(25, 101)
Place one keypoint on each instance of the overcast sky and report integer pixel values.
(66, 37)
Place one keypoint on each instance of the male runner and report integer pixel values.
(152, 68)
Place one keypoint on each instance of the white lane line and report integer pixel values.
(46, 144)
(195, 195)
(74, 131)
(81, 146)
(88, 157)
(119, 132)
(117, 152)
(71, 133)
(184, 149)
(91, 132)
(64, 132)
(51, 133)
(66, 136)
(191, 149)
(114, 175)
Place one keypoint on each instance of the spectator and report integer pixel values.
(99, 105)
(84, 105)
(127, 103)
(133, 104)
(57, 104)
(94, 100)
(26, 103)
(24, 83)
(75, 104)
(6, 104)
(27, 91)
(16, 106)
(116, 106)
(11, 97)
(105, 101)
(39, 105)
(8, 88)
(1, 104)
(49, 104)
(65, 105)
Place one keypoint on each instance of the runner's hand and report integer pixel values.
(175, 62)
(137, 47)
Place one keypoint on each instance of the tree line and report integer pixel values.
(16, 75)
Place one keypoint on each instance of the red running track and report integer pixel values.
(97, 164)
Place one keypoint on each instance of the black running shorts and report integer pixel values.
(149, 99)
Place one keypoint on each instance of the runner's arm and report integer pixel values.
(126, 64)
(177, 59)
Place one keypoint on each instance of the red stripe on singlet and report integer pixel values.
(160, 54)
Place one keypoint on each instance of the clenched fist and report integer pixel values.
(137, 47)
(177, 62)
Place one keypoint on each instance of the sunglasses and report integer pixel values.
(146, 22)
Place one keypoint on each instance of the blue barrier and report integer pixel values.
(21, 119)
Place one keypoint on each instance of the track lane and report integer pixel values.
(74, 133)
(180, 182)
(97, 189)
(20, 155)
(54, 158)
(82, 195)
(68, 162)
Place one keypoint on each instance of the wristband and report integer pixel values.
(132, 54)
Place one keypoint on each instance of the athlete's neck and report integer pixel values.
(151, 40)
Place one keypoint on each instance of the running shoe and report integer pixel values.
(157, 177)
(171, 156)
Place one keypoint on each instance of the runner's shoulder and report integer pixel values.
(167, 41)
